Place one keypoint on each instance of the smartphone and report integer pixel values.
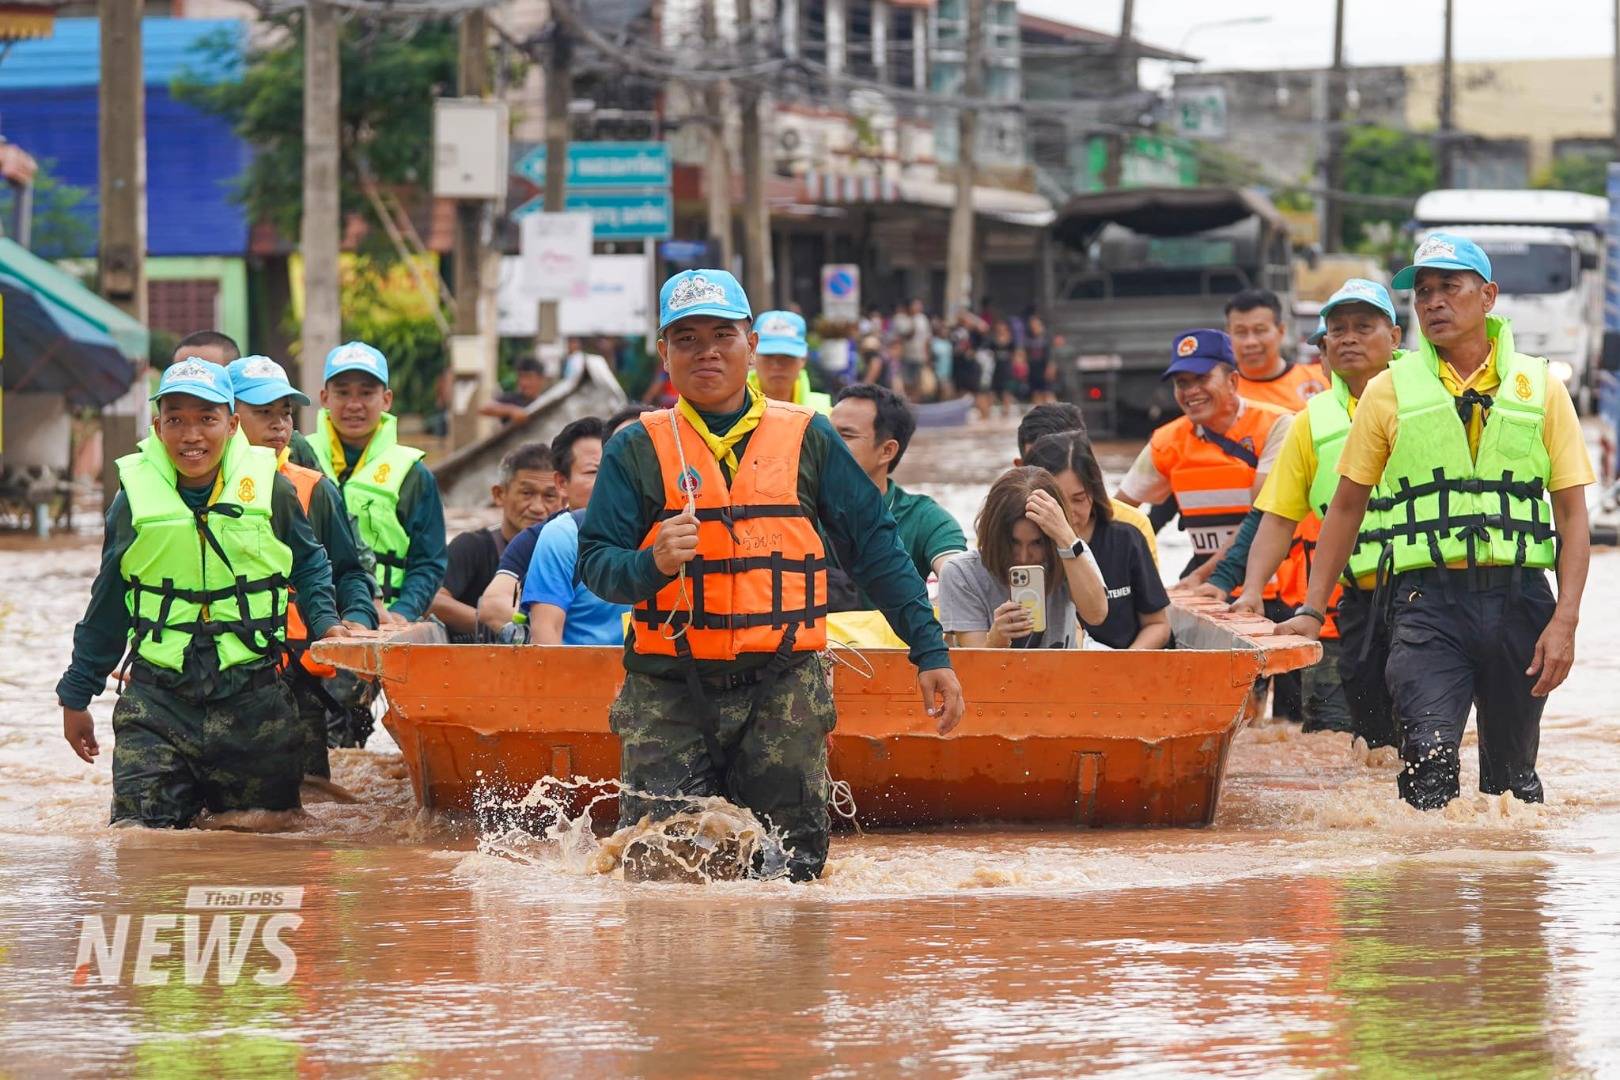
(1029, 589)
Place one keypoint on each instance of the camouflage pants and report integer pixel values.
(174, 755)
(1326, 707)
(313, 718)
(775, 754)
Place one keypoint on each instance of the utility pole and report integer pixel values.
(320, 231)
(1447, 163)
(717, 171)
(122, 231)
(959, 257)
(758, 269)
(1332, 205)
(1125, 81)
(559, 92)
(1615, 74)
(472, 215)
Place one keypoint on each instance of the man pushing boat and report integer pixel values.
(708, 519)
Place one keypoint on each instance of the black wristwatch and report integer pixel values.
(1311, 613)
(1075, 551)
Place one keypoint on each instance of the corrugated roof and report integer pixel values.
(71, 56)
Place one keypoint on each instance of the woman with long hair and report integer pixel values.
(1022, 523)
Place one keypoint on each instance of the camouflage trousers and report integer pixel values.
(1326, 707)
(314, 717)
(774, 750)
(175, 755)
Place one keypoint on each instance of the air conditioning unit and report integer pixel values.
(800, 146)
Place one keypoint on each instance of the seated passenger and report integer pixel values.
(1057, 417)
(561, 610)
(1138, 616)
(1022, 523)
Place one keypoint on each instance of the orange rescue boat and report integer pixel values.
(1089, 737)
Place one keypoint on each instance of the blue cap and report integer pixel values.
(701, 292)
(1445, 251)
(1316, 336)
(1198, 351)
(781, 333)
(356, 356)
(1361, 291)
(259, 380)
(200, 379)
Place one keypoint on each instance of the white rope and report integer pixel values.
(691, 508)
(865, 671)
(841, 797)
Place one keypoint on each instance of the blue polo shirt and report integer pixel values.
(552, 579)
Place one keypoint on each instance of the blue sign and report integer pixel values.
(599, 165)
(1611, 273)
(840, 283)
(684, 252)
(618, 215)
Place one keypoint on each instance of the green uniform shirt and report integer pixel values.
(299, 452)
(834, 492)
(927, 531)
(421, 515)
(102, 636)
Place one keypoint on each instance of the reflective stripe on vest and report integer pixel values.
(1445, 507)
(221, 572)
(371, 494)
(304, 481)
(1213, 487)
(760, 566)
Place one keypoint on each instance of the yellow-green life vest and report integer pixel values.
(1330, 426)
(221, 572)
(371, 494)
(1444, 504)
(802, 394)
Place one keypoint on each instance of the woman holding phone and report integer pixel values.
(1022, 526)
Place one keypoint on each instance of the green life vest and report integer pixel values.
(1330, 426)
(371, 494)
(802, 394)
(1445, 506)
(220, 572)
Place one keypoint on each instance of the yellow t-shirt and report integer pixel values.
(1130, 515)
(1372, 434)
(1287, 491)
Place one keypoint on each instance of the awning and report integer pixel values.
(1002, 204)
(1158, 211)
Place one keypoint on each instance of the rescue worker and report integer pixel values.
(1470, 437)
(265, 401)
(779, 361)
(222, 349)
(707, 518)
(1254, 322)
(1346, 690)
(390, 493)
(1214, 456)
(201, 545)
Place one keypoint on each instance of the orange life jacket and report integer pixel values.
(304, 481)
(1289, 391)
(760, 565)
(1213, 475)
(1295, 573)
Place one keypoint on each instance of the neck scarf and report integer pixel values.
(723, 447)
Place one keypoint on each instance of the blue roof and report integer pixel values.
(71, 56)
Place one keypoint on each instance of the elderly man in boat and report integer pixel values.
(708, 519)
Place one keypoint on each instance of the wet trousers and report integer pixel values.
(775, 754)
(1452, 647)
(175, 754)
(1287, 689)
(1323, 706)
(315, 709)
(1361, 669)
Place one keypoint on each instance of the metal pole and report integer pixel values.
(472, 80)
(1125, 80)
(1447, 104)
(1615, 66)
(321, 227)
(121, 253)
(756, 215)
(559, 92)
(1333, 174)
(717, 170)
(959, 260)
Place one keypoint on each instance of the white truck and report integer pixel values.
(1546, 251)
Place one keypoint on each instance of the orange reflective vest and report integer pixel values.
(1289, 391)
(1213, 475)
(304, 481)
(760, 567)
(1295, 573)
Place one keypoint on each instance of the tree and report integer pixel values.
(61, 230)
(1387, 165)
(390, 79)
(1588, 172)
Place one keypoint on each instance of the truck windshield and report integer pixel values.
(1524, 268)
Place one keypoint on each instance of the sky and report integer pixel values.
(1300, 32)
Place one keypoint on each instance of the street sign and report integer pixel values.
(841, 291)
(685, 253)
(618, 215)
(1201, 112)
(556, 251)
(604, 165)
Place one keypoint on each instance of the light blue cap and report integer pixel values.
(200, 379)
(781, 333)
(1361, 291)
(1445, 251)
(1316, 336)
(259, 380)
(356, 356)
(701, 292)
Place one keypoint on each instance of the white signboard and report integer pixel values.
(616, 300)
(1201, 112)
(841, 291)
(469, 148)
(556, 254)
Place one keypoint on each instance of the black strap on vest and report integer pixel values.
(653, 617)
(385, 581)
(1472, 528)
(1470, 399)
(1230, 447)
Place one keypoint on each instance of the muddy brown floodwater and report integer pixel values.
(1318, 926)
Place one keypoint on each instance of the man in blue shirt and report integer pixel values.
(561, 610)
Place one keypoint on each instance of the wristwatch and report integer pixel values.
(1074, 552)
(1311, 613)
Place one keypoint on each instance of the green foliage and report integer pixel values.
(386, 123)
(1587, 172)
(1382, 162)
(405, 333)
(60, 230)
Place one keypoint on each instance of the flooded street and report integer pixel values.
(1320, 925)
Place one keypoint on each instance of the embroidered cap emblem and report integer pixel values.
(1435, 248)
(262, 367)
(778, 327)
(694, 291)
(355, 355)
(1187, 346)
(194, 369)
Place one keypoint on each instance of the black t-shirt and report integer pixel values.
(1132, 580)
(473, 559)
